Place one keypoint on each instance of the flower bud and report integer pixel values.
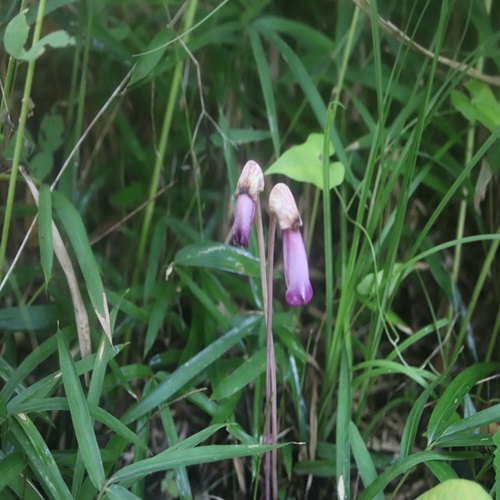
(250, 184)
(282, 205)
(251, 181)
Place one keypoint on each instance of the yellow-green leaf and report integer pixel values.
(304, 163)
(458, 489)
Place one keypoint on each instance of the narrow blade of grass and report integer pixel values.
(77, 234)
(242, 376)
(45, 231)
(117, 492)
(267, 88)
(182, 458)
(80, 415)
(343, 453)
(10, 466)
(401, 466)
(39, 456)
(34, 359)
(186, 372)
(363, 459)
(453, 396)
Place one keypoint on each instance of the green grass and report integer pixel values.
(129, 135)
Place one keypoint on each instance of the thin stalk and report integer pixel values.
(271, 465)
(475, 294)
(162, 145)
(9, 77)
(20, 138)
(471, 133)
(68, 181)
(312, 223)
(6, 90)
(262, 255)
(332, 339)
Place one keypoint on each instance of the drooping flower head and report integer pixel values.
(282, 205)
(250, 184)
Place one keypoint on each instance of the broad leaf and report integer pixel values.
(455, 488)
(219, 256)
(304, 163)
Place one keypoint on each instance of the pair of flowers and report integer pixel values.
(282, 205)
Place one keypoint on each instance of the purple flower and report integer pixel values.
(299, 290)
(282, 204)
(250, 184)
(244, 212)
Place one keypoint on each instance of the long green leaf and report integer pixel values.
(363, 459)
(343, 451)
(474, 422)
(204, 297)
(28, 318)
(181, 475)
(267, 88)
(117, 492)
(383, 366)
(40, 458)
(186, 372)
(80, 415)
(10, 466)
(77, 234)
(104, 417)
(442, 470)
(45, 231)
(453, 396)
(496, 461)
(242, 376)
(413, 419)
(182, 458)
(401, 466)
(40, 390)
(219, 256)
(34, 359)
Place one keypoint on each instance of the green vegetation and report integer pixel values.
(133, 337)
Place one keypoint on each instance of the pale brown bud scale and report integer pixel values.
(282, 205)
(251, 181)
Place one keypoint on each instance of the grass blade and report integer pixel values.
(34, 359)
(39, 456)
(182, 458)
(453, 397)
(219, 256)
(186, 372)
(343, 453)
(363, 459)
(267, 88)
(11, 466)
(80, 415)
(45, 231)
(474, 422)
(242, 376)
(401, 466)
(117, 492)
(77, 234)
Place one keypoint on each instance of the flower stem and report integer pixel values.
(262, 254)
(271, 467)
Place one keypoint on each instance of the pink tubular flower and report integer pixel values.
(250, 184)
(282, 204)
(244, 212)
(299, 290)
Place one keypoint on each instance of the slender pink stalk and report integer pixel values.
(271, 465)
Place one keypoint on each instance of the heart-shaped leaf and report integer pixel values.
(304, 163)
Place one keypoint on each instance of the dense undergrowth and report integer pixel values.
(127, 124)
